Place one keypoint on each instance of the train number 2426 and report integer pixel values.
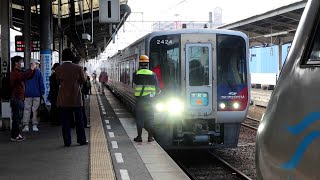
(164, 41)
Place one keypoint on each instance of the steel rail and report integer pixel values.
(237, 171)
(248, 126)
(253, 119)
(185, 170)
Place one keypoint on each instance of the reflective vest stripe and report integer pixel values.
(148, 89)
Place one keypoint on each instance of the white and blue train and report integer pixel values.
(287, 146)
(204, 82)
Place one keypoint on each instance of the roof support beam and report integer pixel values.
(266, 30)
(280, 55)
(292, 16)
(282, 10)
(273, 22)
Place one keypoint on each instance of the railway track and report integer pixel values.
(238, 173)
(209, 166)
(251, 123)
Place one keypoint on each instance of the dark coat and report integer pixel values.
(54, 88)
(70, 78)
(17, 78)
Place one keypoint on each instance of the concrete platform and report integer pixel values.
(43, 156)
(111, 153)
(139, 160)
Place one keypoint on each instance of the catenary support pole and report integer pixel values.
(27, 33)
(45, 42)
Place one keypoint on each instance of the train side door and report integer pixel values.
(199, 81)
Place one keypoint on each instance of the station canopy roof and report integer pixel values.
(277, 26)
(74, 22)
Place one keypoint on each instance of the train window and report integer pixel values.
(127, 74)
(165, 61)
(314, 56)
(123, 69)
(198, 66)
(118, 71)
(132, 67)
(231, 60)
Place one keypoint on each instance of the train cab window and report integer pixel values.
(198, 66)
(165, 61)
(231, 61)
(314, 56)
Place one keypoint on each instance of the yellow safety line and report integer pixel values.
(100, 160)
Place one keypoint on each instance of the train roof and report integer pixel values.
(194, 31)
(186, 31)
(190, 31)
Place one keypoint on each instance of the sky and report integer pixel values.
(198, 10)
(150, 11)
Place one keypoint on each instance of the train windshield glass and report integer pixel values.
(165, 61)
(198, 65)
(231, 61)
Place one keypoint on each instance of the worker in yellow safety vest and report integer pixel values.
(146, 88)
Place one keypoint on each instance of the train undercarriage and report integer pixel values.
(196, 134)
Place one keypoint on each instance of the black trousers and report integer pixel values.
(54, 113)
(17, 106)
(83, 109)
(144, 113)
(67, 116)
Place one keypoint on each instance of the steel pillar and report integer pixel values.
(280, 55)
(5, 36)
(60, 32)
(5, 12)
(27, 33)
(65, 42)
(45, 42)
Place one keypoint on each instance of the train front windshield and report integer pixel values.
(231, 72)
(165, 61)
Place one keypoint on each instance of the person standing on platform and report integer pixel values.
(85, 85)
(34, 89)
(94, 77)
(70, 78)
(103, 79)
(85, 72)
(84, 90)
(17, 78)
(146, 88)
(53, 95)
(89, 85)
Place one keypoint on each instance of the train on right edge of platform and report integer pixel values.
(287, 145)
(204, 81)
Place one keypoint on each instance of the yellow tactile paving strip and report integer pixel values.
(100, 160)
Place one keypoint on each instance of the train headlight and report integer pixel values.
(160, 107)
(175, 106)
(236, 105)
(222, 105)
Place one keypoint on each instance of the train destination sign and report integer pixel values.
(19, 44)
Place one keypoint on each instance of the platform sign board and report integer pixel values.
(35, 43)
(45, 56)
(109, 11)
